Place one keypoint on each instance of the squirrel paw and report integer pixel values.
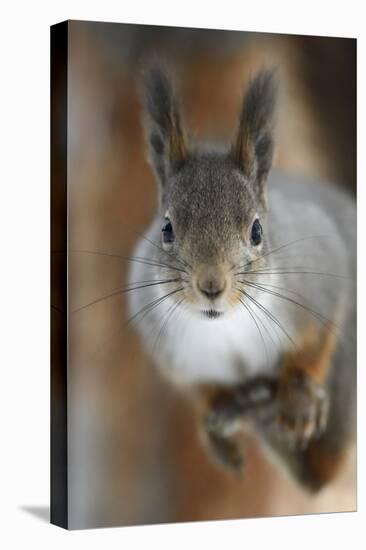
(221, 422)
(303, 410)
(226, 452)
(219, 429)
(228, 411)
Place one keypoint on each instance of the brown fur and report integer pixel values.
(314, 355)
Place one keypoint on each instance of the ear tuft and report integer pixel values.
(164, 132)
(254, 144)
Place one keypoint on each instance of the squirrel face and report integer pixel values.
(212, 202)
(212, 220)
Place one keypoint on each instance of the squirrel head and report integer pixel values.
(212, 200)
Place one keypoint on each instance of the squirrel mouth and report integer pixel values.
(212, 313)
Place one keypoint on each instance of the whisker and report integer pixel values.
(176, 256)
(275, 267)
(321, 318)
(147, 281)
(97, 253)
(156, 264)
(121, 328)
(259, 330)
(142, 235)
(149, 307)
(149, 284)
(280, 288)
(123, 291)
(270, 315)
(165, 319)
(147, 261)
(274, 250)
(268, 332)
(292, 273)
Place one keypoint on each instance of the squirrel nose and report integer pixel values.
(212, 286)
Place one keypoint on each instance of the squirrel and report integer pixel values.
(243, 287)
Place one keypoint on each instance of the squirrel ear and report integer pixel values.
(253, 146)
(164, 132)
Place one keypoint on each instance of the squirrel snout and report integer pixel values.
(212, 285)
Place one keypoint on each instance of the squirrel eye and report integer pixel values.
(167, 231)
(256, 234)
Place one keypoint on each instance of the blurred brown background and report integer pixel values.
(133, 445)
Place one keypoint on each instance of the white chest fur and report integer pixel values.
(223, 350)
(192, 349)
